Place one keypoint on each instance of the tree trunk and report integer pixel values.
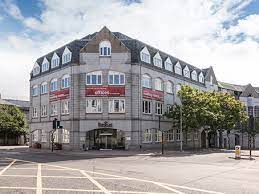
(228, 140)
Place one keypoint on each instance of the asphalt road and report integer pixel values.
(24, 171)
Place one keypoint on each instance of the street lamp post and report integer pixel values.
(181, 129)
(159, 128)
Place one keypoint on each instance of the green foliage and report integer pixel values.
(213, 109)
(12, 120)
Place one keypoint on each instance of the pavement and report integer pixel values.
(24, 170)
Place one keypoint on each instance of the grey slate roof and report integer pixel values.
(20, 103)
(232, 87)
(6, 102)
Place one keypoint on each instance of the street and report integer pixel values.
(28, 171)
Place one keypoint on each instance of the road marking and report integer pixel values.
(95, 182)
(23, 188)
(169, 188)
(137, 192)
(19, 175)
(39, 180)
(2, 171)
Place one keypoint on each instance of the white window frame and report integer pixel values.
(55, 60)
(146, 81)
(44, 111)
(201, 77)
(93, 105)
(55, 135)
(169, 87)
(157, 135)
(189, 136)
(112, 75)
(65, 106)
(194, 75)
(35, 136)
(54, 85)
(105, 48)
(65, 136)
(36, 69)
(196, 135)
(35, 90)
(121, 104)
(169, 136)
(66, 56)
(44, 88)
(178, 134)
(147, 136)
(97, 74)
(168, 65)
(159, 108)
(158, 84)
(157, 60)
(178, 68)
(186, 72)
(34, 112)
(54, 109)
(145, 55)
(147, 107)
(65, 81)
(45, 65)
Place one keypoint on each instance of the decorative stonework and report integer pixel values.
(105, 124)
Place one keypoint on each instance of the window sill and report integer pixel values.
(105, 56)
(64, 114)
(34, 95)
(147, 114)
(44, 94)
(116, 112)
(54, 115)
(44, 116)
(147, 142)
(93, 112)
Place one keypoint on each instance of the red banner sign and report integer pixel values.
(105, 91)
(59, 95)
(153, 94)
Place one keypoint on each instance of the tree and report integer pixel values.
(219, 111)
(12, 121)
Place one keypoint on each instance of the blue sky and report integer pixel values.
(219, 33)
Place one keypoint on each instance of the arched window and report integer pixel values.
(116, 78)
(178, 68)
(157, 60)
(147, 136)
(44, 88)
(35, 90)
(168, 65)
(169, 87)
(105, 48)
(178, 88)
(146, 81)
(145, 55)
(65, 81)
(54, 85)
(194, 75)
(45, 65)
(158, 84)
(201, 78)
(55, 60)
(94, 78)
(186, 72)
(157, 135)
(36, 69)
(66, 56)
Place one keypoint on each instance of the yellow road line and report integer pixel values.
(95, 182)
(2, 171)
(39, 180)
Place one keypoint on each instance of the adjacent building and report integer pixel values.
(109, 90)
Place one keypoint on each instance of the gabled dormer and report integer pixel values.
(157, 60)
(178, 68)
(145, 55)
(55, 60)
(45, 65)
(36, 69)
(168, 64)
(186, 71)
(194, 75)
(201, 77)
(66, 56)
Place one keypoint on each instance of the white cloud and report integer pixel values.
(191, 30)
(12, 9)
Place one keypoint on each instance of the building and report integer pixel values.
(24, 106)
(249, 96)
(109, 90)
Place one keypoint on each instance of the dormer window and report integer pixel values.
(66, 56)
(201, 78)
(145, 55)
(105, 48)
(178, 68)
(45, 65)
(157, 60)
(186, 72)
(194, 75)
(55, 61)
(168, 65)
(36, 69)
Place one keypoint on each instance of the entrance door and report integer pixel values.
(106, 140)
